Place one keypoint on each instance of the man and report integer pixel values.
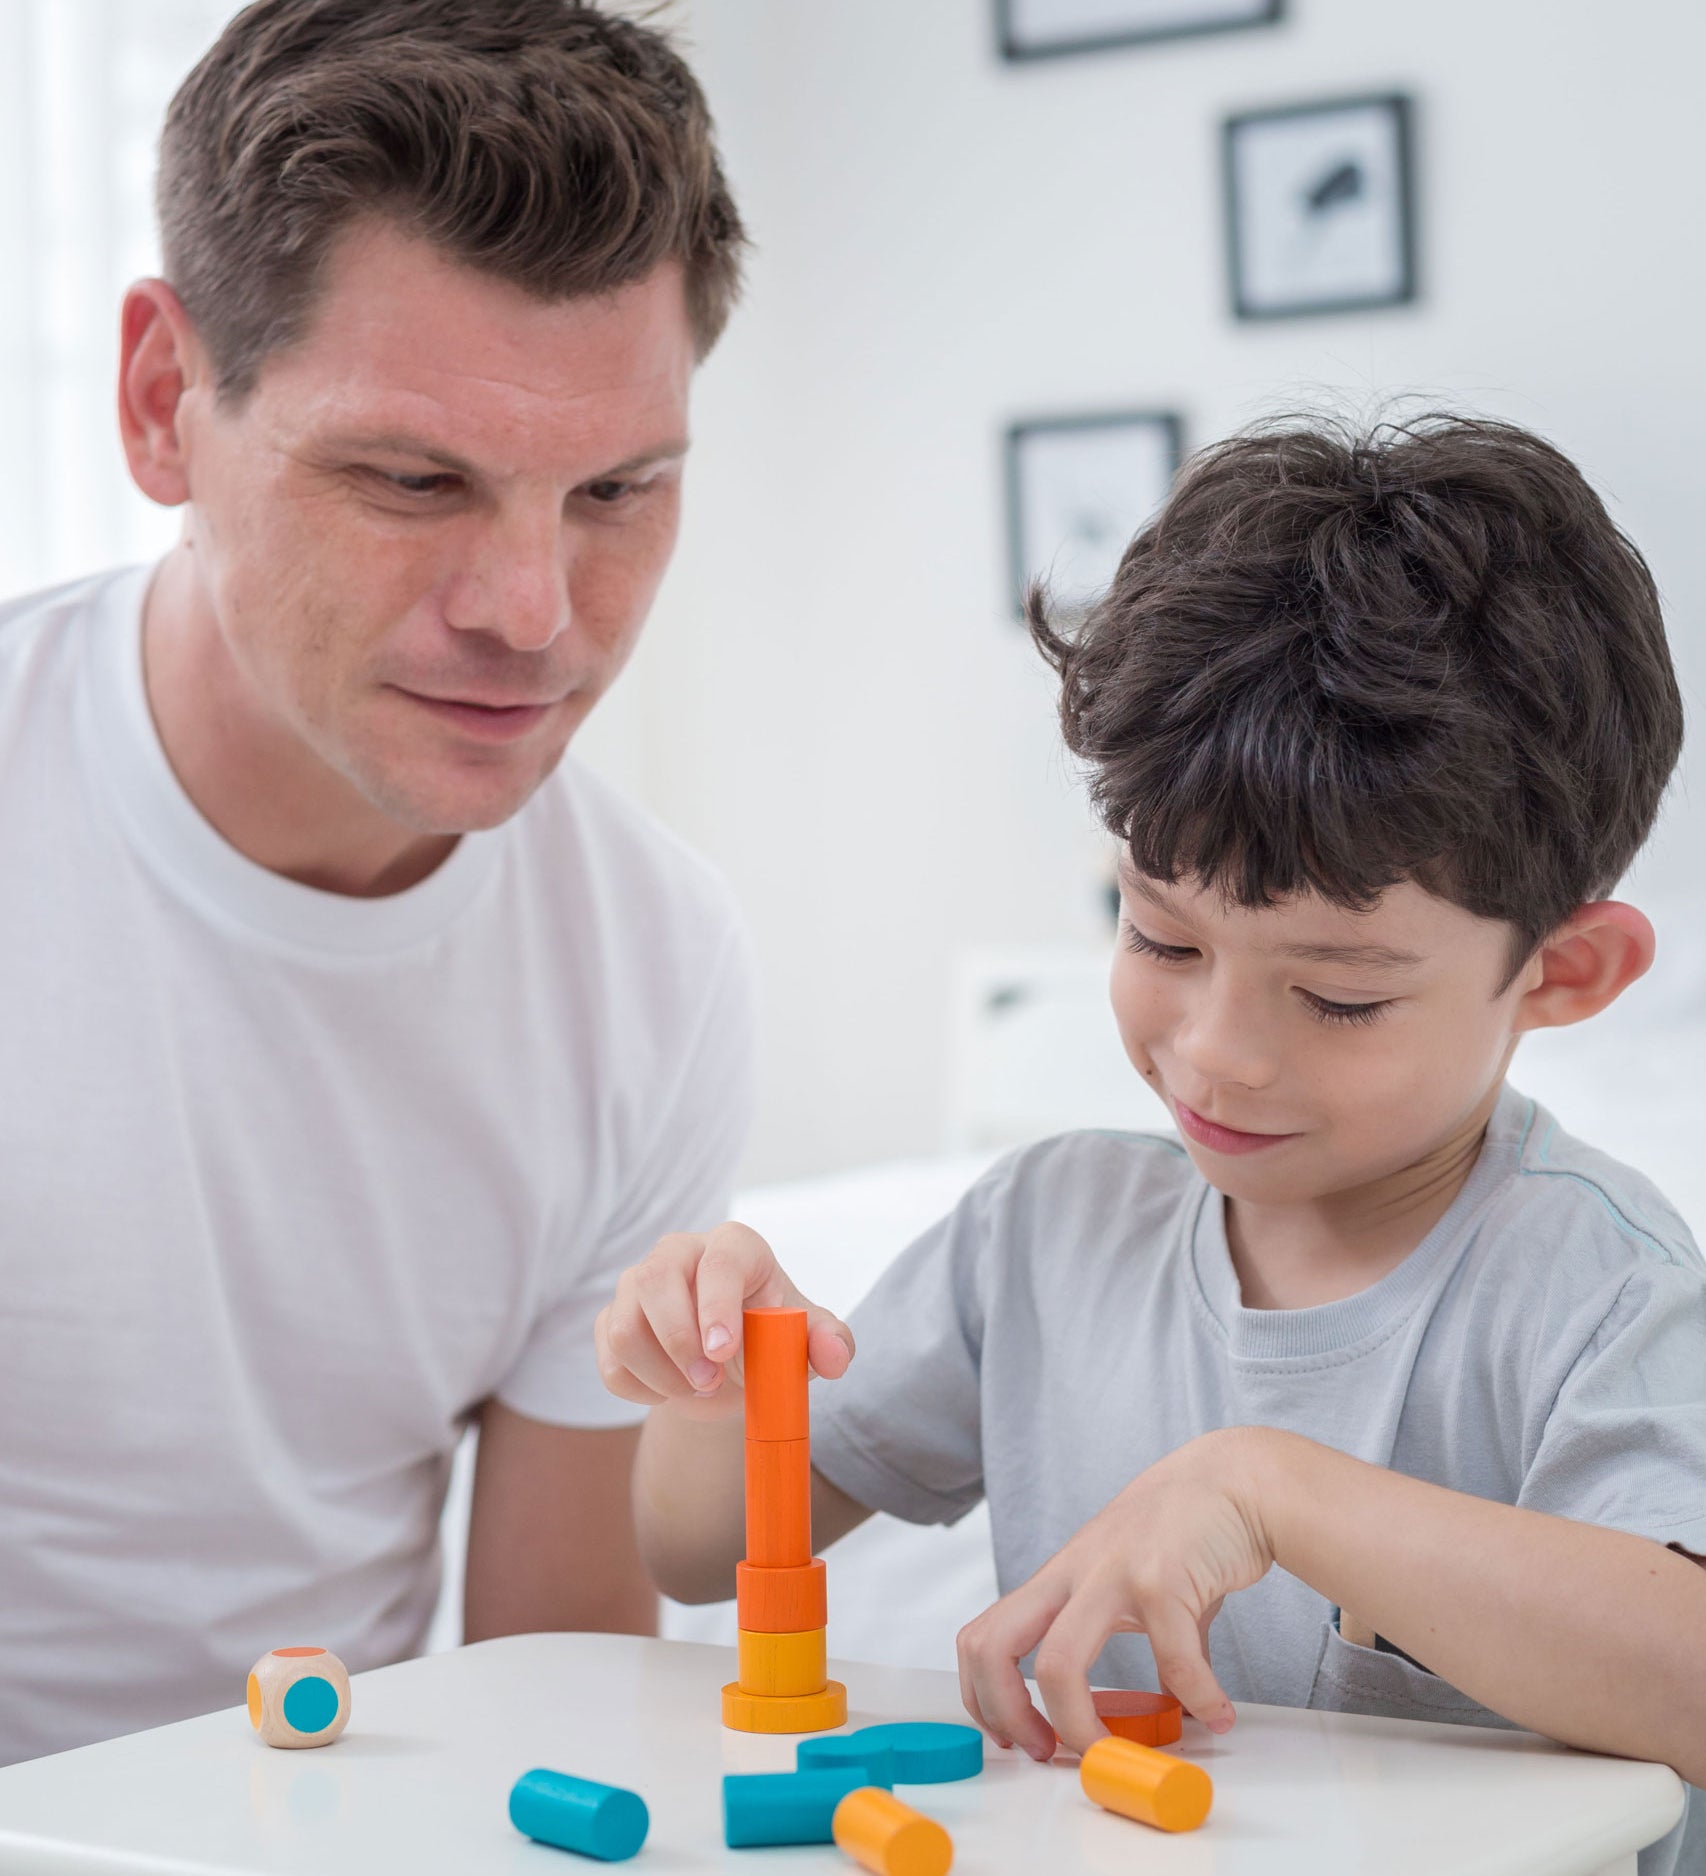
(354, 1040)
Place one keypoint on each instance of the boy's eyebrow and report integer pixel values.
(1373, 957)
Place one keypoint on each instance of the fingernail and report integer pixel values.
(716, 1339)
(704, 1375)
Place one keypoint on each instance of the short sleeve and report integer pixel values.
(1625, 1443)
(682, 1182)
(901, 1431)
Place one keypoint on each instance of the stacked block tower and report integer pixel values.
(781, 1590)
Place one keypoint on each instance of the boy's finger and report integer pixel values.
(1181, 1660)
(629, 1340)
(665, 1297)
(614, 1373)
(829, 1343)
(1065, 1656)
(736, 1268)
(991, 1649)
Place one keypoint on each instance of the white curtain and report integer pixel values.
(83, 87)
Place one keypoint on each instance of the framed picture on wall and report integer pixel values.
(1044, 29)
(1320, 213)
(1078, 489)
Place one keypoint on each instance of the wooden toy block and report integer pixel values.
(1129, 1713)
(785, 1807)
(778, 1503)
(889, 1838)
(299, 1697)
(784, 1713)
(782, 1664)
(925, 1752)
(1139, 1782)
(602, 1821)
(825, 1752)
(776, 1370)
(781, 1602)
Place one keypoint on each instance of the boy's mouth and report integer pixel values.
(1219, 1139)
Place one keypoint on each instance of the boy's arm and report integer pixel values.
(1587, 1634)
(689, 1504)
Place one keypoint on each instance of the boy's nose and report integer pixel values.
(1222, 1044)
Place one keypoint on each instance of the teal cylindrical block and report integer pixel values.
(576, 1814)
(926, 1752)
(785, 1807)
(830, 1750)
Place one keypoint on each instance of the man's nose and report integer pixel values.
(518, 587)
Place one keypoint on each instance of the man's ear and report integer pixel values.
(160, 358)
(1587, 963)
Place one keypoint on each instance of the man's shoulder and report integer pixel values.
(33, 622)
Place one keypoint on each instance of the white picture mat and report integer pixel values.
(1354, 249)
(1051, 21)
(1083, 492)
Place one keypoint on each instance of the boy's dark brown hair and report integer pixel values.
(540, 141)
(1341, 658)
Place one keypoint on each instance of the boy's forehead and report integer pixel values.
(1406, 927)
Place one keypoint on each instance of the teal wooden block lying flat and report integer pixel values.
(829, 1750)
(602, 1821)
(925, 1752)
(786, 1807)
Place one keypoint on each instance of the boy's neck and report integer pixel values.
(1296, 1256)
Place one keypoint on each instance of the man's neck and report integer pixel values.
(1297, 1256)
(250, 776)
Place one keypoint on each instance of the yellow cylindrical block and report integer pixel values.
(890, 1838)
(1153, 1787)
(783, 1664)
(784, 1713)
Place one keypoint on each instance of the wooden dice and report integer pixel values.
(298, 1697)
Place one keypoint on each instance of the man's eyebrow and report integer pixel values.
(401, 443)
(1372, 957)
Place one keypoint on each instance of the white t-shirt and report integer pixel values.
(290, 1182)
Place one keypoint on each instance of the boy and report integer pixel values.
(1379, 721)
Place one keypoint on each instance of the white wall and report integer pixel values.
(832, 701)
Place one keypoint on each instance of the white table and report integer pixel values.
(420, 1781)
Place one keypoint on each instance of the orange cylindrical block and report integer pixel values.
(773, 1357)
(1127, 1713)
(889, 1838)
(779, 1503)
(1153, 1787)
(781, 1602)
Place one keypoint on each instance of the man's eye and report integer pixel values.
(420, 485)
(610, 490)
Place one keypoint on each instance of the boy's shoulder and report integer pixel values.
(1593, 1213)
(1087, 1184)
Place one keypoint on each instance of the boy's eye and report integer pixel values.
(1151, 948)
(1344, 1012)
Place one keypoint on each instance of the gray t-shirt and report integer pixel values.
(1077, 1316)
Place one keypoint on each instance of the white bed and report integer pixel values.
(1036, 1053)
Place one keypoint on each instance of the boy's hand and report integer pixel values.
(673, 1330)
(1158, 1561)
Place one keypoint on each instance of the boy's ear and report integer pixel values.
(1587, 963)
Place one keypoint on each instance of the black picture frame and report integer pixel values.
(1253, 298)
(1165, 431)
(1018, 49)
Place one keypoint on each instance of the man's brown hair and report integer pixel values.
(1341, 658)
(543, 142)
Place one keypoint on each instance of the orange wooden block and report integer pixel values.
(887, 1837)
(1150, 1719)
(781, 1602)
(782, 1663)
(773, 1354)
(784, 1713)
(779, 1503)
(1153, 1787)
